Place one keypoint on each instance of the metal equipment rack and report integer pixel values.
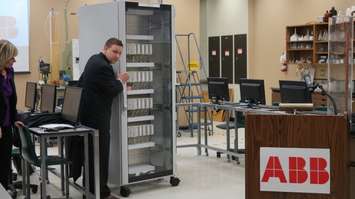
(143, 136)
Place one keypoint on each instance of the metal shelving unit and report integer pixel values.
(341, 62)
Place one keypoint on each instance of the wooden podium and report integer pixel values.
(297, 132)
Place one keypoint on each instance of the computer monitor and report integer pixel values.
(31, 95)
(294, 92)
(71, 104)
(252, 91)
(48, 98)
(218, 89)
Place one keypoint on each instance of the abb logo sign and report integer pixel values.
(295, 170)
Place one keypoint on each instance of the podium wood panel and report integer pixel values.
(298, 131)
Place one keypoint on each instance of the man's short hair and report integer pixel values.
(113, 41)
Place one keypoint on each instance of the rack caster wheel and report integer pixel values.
(178, 134)
(125, 191)
(174, 181)
(218, 154)
(34, 189)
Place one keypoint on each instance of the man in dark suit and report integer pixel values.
(100, 85)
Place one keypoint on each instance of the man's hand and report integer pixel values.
(0, 133)
(19, 124)
(123, 77)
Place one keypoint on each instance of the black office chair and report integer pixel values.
(15, 185)
(29, 155)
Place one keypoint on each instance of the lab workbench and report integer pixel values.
(230, 108)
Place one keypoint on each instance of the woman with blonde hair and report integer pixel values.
(8, 112)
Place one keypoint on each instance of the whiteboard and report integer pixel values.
(14, 26)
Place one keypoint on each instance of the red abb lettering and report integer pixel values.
(318, 174)
(274, 170)
(297, 171)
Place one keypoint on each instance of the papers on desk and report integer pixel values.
(56, 127)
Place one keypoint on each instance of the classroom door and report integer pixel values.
(240, 57)
(214, 56)
(227, 57)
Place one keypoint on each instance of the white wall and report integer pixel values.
(226, 17)
(222, 17)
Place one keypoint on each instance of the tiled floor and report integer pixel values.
(201, 177)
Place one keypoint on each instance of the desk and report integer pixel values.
(81, 131)
(228, 107)
(199, 144)
(3, 193)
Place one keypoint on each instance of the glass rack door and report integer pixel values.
(149, 101)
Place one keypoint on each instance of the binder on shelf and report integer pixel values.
(130, 104)
(130, 132)
(139, 104)
(150, 76)
(143, 49)
(145, 130)
(150, 49)
(144, 103)
(147, 49)
(136, 131)
(143, 76)
(134, 48)
(138, 49)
